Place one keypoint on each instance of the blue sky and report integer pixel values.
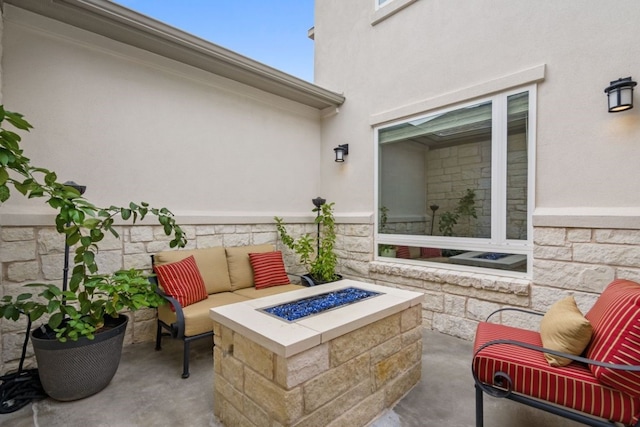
(272, 32)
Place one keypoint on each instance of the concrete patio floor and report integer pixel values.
(148, 391)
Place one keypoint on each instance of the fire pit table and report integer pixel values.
(343, 351)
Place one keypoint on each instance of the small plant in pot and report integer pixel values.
(321, 268)
(385, 250)
(90, 308)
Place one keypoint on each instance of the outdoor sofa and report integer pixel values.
(585, 368)
(194, 281)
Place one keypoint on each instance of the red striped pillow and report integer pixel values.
(403, 252)
(182, 281)
(268, 269)
(615, 318)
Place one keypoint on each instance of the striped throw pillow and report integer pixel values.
(268, 269)
(615, 318)
(182, 281)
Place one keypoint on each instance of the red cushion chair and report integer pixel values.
(598, 390)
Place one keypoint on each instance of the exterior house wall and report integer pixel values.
(432, 54)
(133, 125)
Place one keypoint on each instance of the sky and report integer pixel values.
(272, 32)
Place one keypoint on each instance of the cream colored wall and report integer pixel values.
(134, 126)
(437, 51)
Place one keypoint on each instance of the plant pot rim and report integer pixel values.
(116, 324)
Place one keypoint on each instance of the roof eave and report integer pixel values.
(127, 26)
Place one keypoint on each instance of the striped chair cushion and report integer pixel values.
(268, 269)
(573, 386)
(615, 318)
(182, 280)
(403, 252)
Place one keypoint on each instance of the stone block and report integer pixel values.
(229, 393)
(141, 261)
(564, 275)
(232, 417)
(135, 248)
(233, 371)
(141, 233)
(624, 237)
(581, 235)
(237, 239)
(433, 302)
(264, 238)
(292, 371)
(411, 336)
(558, 253)
(23, 271)
(338, 406)
(18, 251)
(50, 241)
(400, 386)
(285, 406)
(450, 325)
(209, 241)
(391, 367)
(386, 349)
(620, 255)
(53, 266)
(204, 230)
(363, 413)
(333, 383)
(479, 310)
(410, 318)
(254, 355)
(350, 345)
(143, 330)
(255, 414)
(547, 236)
(14, 234)
(455, 305)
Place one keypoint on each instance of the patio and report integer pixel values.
(148, 391)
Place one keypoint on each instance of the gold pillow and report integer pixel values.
(564, 328)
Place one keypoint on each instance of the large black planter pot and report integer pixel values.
(77, 369)
(307, 280)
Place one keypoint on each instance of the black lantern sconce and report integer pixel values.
(620, 94)
(341, 151)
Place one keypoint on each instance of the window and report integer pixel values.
(382, 2)
(454, 187)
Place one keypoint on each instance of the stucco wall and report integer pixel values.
(435, 52)
(134, 126)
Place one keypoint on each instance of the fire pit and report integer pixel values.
(350, 351)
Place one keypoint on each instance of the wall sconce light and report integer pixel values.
(620, 94)
(341, 151)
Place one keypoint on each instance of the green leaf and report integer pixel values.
(55, 320)
(125, 213)
(5, 193)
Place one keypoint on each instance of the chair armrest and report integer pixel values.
(177, 328)
(521, 310)
(503, 380)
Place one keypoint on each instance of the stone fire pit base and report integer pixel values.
(347, 381)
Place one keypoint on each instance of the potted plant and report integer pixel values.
(385, 250)
(89, 310)
(321, 268)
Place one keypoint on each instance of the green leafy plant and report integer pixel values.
(322, 266)
(383, 248)
(80, 310)
(466, 208)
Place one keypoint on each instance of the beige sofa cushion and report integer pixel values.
(197, 319)
(240, 272)
(253, 293)
(212, 263)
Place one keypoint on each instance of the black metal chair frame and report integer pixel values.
(175, 330)
(504, 384)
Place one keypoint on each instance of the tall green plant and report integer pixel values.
(322, 266)
(466, 208)
(80, 310)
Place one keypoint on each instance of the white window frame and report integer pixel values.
(388, 8)
(498, 241)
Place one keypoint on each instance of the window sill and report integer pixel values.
(389, 10)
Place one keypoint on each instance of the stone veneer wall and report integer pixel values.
(578, 261)
(347, 381)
